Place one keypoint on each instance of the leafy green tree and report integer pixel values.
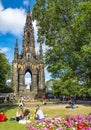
(82, 26)
(65, 27)
(5, 71)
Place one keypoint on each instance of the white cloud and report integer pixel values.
(12, 20)
(5, 49)
(26, 2)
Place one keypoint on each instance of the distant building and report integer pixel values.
(28, 61)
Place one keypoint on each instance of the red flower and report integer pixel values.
(49, 127)
(80, 126)
(85, 125)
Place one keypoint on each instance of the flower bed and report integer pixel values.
(71, 122)
(29, 100)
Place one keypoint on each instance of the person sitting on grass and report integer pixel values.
(20, 114)
(71, 105)
(26, 113)
(38, 113)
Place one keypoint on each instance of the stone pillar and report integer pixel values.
(15, 77)
(41, 78)
(34, 82)
(21, 84)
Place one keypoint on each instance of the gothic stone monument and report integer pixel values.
(28, 61)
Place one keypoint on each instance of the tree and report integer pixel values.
(82, 26)
(65, 27)
(5, 71)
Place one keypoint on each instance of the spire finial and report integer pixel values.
(29, 8)
(16, 43)
(28, 17)
(16, 50)
(28, 13)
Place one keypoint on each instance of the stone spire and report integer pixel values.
(28, 19)
(28, 45)
(16, 50)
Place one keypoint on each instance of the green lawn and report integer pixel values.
(51, 110)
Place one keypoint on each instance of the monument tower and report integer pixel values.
(28, 61)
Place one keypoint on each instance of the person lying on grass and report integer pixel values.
(71, 105)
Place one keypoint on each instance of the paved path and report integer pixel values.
(48, 104)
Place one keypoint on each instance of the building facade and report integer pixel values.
(28, 61)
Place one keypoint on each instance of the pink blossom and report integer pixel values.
(74, 122)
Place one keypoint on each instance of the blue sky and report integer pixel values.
(12, 20)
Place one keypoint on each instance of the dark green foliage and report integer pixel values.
(6, 90)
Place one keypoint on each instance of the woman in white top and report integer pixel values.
(39, 113)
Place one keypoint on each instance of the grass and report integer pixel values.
(50, 110)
